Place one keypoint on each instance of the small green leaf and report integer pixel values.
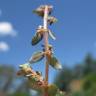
(52, 90)
(39, 73)
(36, 39)
(32, 79)
(38, 56)
(24, 66)
(39, 12)
(52, 35)
(55, 63)
(49, 46)
(51, 20)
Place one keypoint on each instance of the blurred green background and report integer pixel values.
(77, 81)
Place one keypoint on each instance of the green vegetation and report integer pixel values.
(80, 80)
(79, 75)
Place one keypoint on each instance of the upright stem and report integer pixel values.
(46, 48)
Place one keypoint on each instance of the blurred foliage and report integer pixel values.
(89, 81)
(84, 73)
(10, 85)
(68, 80)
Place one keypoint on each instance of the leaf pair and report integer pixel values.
(39, 36)
(25, 69)
(40, 10)
(34, 77)
(38, 56)
(50, 47)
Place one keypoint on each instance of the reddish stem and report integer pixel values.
(46, 49)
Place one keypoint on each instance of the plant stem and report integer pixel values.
(46, 49)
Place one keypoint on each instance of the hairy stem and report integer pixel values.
(46, 49)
